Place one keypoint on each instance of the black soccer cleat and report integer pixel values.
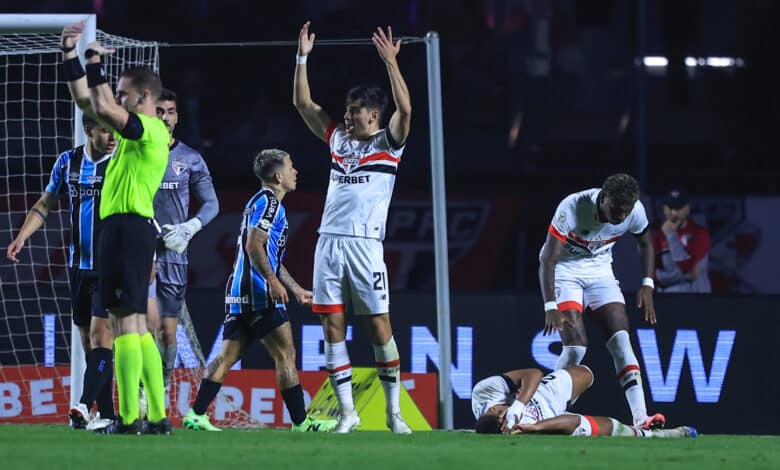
(160, 427)
(118, 428)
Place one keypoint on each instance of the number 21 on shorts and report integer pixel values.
(380, 282)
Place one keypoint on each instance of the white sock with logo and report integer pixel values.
(388, 367)
(629, 374)
(340, 374)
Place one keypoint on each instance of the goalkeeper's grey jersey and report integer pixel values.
(186, 172)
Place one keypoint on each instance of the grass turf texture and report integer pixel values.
(59, 447)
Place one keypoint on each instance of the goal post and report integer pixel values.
(53, 24)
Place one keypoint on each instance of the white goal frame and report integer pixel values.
(29, 23)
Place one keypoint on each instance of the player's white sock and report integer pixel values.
(620, 430)
(388, 367)
(340, 374)
(629, 375)
(570, 356)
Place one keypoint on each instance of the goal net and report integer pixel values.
(37, 123)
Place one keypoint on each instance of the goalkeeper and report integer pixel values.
(523, 401)
(186, 172)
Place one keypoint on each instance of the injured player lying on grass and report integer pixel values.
(525, 401)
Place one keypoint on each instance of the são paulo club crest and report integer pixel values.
(178, 166)
(349, 163)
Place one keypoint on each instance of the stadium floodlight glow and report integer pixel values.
(694, 62)
(655, 61)
(720, 61)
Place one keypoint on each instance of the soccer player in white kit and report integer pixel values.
(349, 267)
(575, 273)
(523, 401)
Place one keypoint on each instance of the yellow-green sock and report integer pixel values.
(152, 376)
(127, 368)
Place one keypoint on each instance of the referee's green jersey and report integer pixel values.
(135, 171)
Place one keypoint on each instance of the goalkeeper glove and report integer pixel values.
(179, 235)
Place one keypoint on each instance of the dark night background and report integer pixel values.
(541, 98)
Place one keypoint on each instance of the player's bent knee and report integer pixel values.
(585, 373)
(587, 427)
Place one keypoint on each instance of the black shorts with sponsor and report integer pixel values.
(125, 255)
(253, 325)
(85, 296)
(171, 286)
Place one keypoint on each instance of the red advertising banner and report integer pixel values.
(38, 395)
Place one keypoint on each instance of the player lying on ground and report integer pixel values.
(524, 401)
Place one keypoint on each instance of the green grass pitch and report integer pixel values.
(59, 447)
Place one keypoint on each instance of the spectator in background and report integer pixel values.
(682, 248)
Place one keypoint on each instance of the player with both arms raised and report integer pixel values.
(348, 263)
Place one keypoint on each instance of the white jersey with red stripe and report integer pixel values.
(588, 243)
(362, 176)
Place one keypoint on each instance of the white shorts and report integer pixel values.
(578, 294)
(350, 272)
(550, 399)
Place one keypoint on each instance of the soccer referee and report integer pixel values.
(126, 241)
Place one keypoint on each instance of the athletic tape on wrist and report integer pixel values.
(301, 59)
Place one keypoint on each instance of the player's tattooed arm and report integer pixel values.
(303, 296)
(256, 249)
(288, 281)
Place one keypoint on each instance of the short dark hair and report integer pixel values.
(167, 95)
(144, 78)
(488, 424)
(88, 121)
(371, 97)
(622, 189)
(267, 163)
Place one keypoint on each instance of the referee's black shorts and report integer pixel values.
(125, 252)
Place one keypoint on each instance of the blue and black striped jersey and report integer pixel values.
(81, 178)
(246, 290)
